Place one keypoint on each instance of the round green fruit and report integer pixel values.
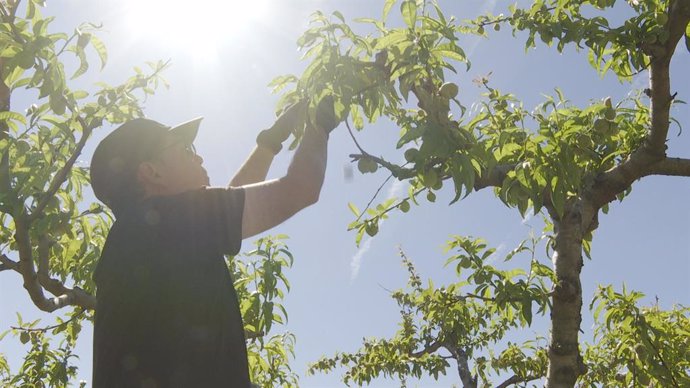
(371, 228)
(601, 125)
(430, 178)
(431, 197)
(497, 27)
(404, 206)
(662, 18)
(448, 90)
(411, 154)
(610, 114)
(366, 165)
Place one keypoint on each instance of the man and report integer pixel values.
(167, 313)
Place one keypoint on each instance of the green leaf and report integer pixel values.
(527, 310)
(14, 116)
(558, 195)
(83, 64)
(408, 8)
(687, 37)
(354, 209)
(387, 8)
(102, 52)
(451, 51)
(390, 39)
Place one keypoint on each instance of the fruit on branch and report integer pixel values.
(367, 164)
(448, 90)
(411, 154)
(601, 125)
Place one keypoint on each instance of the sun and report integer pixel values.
(193, 25)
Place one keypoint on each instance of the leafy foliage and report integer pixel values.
(638, 346)
(261, 285)
(42, 182)
(553, 151)
(458, 321)
(564, 160)
(45, 364)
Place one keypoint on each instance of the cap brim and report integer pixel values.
(187, 131)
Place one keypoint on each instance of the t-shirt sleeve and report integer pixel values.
(212, 217)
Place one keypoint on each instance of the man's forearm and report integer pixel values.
(308, 166)
(254, 169)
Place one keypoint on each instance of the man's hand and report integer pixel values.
(287, 122)
(325, 115)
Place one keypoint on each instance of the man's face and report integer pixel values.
(175, 168)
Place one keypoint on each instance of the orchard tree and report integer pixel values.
(564, 161)
(51, 236)
(470, 323)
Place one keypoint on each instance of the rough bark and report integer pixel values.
(651, 158)
(4, 132)
(468, 380)
(565, 362)
(64, 296)
(515, 379)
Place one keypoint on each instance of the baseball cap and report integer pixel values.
(117, 157)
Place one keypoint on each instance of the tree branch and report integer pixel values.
(659, 79)
(61, 176)
(8, 264)
(46, 329)
(468, 381)
(427, 350)
(69, 297)
(670, 167)
(5, 96)
(517, 379)
(651, 158)
(493, 178)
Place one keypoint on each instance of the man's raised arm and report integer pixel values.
(268, 144)
(269, 203)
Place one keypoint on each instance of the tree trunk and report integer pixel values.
(468, 381)
(4, 133)
(565, 362)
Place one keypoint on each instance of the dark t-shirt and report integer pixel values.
(167, 314)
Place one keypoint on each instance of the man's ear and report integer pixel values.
(148, 174)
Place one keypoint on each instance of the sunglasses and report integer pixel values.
(188, 149)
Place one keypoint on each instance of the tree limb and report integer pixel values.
(427, 350)
(46, 329)
(659, 79)
(468, 381)
(670, 167)
(5, 95)
(70, 297)
(61, 176)
(517, 379)
(8, 264)
(493, 178)
(650, 159)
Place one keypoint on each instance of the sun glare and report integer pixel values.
(197, 26)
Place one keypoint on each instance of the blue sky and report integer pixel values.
(339, 291)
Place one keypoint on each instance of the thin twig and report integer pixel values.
(352, 135)
(516, 379)
(45, 329)
(397, 204)
(374, 197)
